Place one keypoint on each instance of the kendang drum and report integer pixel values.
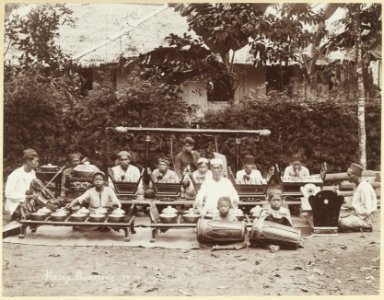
(216, 231)
(264, 232)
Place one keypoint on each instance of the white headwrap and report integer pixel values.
(216, 161)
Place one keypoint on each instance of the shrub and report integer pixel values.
(320, 131)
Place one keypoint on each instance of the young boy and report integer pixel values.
(225, 210)
(99, 195)
(274, 211)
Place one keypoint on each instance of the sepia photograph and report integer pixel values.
(191, 149)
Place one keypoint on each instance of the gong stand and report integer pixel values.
(237, 134)
(127, 225)
(157, 226)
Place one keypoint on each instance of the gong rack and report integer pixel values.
(158, 226)
(291, 191)
(236, 134)
(127, 225)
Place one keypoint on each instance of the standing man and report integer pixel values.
(187, 157)
(215, 187)
(18, 183)
(364, 202)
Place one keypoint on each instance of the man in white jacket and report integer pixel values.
(215, 187)
(19, 181)
(360, 214)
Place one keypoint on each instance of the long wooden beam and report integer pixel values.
(235, 132)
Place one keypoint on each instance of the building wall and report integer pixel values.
(250, 82)
(104, 75)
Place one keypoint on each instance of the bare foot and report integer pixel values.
(274, 248)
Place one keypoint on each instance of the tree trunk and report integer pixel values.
(360, 85)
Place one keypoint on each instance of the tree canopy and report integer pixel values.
(274, 37)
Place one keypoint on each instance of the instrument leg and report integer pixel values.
(132, 227)
(23, 229)
(154, 232)
(126, 232)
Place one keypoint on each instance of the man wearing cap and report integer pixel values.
(75, 160)
(296, 170)
(210, 154)
(18, 183)
(163, 174)
(202, 171)
(187, 157)
(360, 214)
(249, 175)
(215, 187)
(124, 172)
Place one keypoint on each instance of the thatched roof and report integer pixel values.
(105, 32)
(143, 33)
(139, 27)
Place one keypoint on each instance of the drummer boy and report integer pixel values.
(99, 195)
(275, 213)
(225, 210)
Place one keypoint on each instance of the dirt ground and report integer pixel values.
(346, 264)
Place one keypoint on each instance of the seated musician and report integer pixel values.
(197, 176)
(75, 160)
(360, 213)
(124, 171)
(275, 213)
(296, 170)
(163, 174)
(202, 171)
(18, 183)
(225, 211)
(249, 175)
(215, 187)
(187, 157)
(99, 195)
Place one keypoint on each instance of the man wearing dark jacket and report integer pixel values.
(186, 157)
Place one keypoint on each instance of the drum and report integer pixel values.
(269, 232)
(212, 231)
